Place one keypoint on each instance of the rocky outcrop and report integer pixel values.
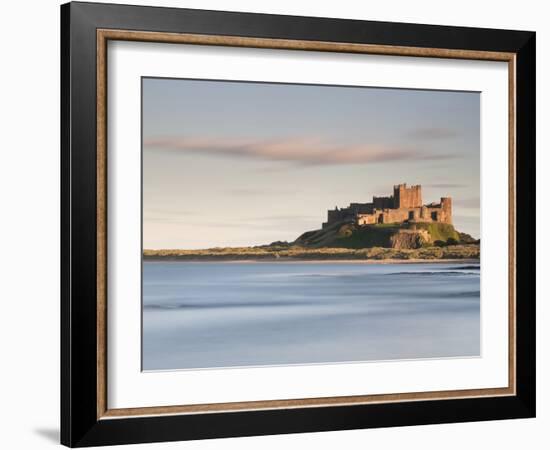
(407, 239)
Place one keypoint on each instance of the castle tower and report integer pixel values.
(446, 210)
(407, 197)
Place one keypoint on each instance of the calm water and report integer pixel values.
(210, 314)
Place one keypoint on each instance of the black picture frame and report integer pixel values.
(80, 425)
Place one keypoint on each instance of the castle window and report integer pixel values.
(411, 215)
(434, 215)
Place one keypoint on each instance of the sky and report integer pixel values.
(228, 164)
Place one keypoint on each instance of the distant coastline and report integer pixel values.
(316, 261)
(451, 253)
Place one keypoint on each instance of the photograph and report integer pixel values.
(296, 224)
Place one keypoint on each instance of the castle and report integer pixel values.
(405, 205)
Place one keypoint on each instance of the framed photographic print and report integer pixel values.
(277, 224)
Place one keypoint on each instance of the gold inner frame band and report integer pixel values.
(104, 35)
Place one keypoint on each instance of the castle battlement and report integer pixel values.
(405, 205)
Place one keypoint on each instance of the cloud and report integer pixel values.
(432, 133)
(254, 192)
(445, 185)
(472, 202)
(288, 218)
(300, 151)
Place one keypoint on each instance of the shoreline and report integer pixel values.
(370, 255)
(312, 261)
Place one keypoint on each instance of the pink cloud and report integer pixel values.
(302, 151)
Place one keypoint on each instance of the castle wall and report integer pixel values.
(339, 215)
(433, 213)
(383, 202)
(404, 206)
(361, 208)
(396, 215)
(366, 219)
(386, 216)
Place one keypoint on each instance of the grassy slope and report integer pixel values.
(346, 235)
(439, 231)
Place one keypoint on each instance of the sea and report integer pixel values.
(199, 315)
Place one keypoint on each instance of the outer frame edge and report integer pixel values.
(101, 432)
(526, 225)
(65, 337)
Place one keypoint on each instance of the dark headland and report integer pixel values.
(397, 227)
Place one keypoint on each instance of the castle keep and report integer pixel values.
(405, 205)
